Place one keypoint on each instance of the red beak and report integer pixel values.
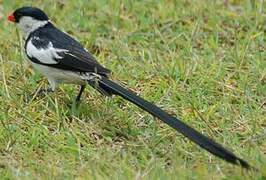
(11, 18)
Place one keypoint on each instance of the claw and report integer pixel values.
(44, 91)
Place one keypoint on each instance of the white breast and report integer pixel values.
(56, 76)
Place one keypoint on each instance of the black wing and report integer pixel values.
(71, 54)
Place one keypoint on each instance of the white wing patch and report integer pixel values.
(45, 55)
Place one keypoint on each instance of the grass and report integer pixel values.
(203, 61)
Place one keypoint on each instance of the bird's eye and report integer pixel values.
(19, 14)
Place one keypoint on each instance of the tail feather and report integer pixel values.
(208, 144)
(100, 87)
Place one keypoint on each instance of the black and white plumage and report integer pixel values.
(62, 59)
(56, 55)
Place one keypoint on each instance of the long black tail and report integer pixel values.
(198, 138)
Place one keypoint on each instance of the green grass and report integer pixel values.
(200, 60)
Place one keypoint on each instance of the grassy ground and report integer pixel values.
(201, 60)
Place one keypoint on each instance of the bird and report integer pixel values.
(62, 59)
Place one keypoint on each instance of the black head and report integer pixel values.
(33, 12)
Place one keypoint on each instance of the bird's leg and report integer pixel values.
(82, 87)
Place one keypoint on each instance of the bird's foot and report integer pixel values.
(42, 92)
